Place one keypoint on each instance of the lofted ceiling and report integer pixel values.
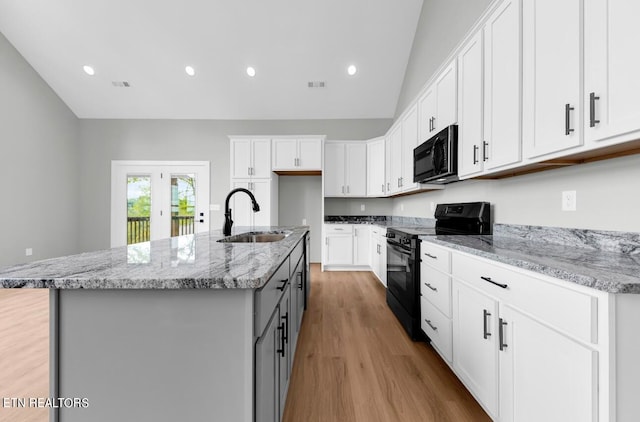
(148, 43)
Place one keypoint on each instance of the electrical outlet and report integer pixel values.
(304, 221)
(28, 251)
(361, 207)
(569, 200)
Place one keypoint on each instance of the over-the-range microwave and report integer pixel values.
(436, 160)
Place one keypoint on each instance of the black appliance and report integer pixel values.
(436, 160)
(403, 256)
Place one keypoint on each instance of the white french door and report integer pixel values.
(153, 200)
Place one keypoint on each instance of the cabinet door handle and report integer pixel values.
(567, 117)
(388, 186)
(300, 282)
(485, 323)
(433, 327)
(326, 241)
(285, 318)
(485, 156)
(504, 286)
(592, 109)
(347, 188)
(501, 324)
(431, 256)
(280, 351)
(382, 188)
(283, 284)
(475, 154)
(249, 171)
(431, 287)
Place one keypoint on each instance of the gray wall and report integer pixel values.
(442, 25)
(106, 140)
(300, 197)
(608, 197)
(351, 206)
(38, 165)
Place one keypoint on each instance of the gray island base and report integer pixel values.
(191, 330)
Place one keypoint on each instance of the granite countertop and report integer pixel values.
(612, 272)
(182, 262)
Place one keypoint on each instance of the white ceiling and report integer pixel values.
(149, 42)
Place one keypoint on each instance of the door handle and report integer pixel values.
(382, 188)
(433, 327)
(485, 156)
(431, 256)
(504, 286)
(283, 284)
(567, 117)
(485, 323)
(281, 349)
(388, 186)
(592, 109)
(285, 318)
(501, 342)
(475, 154)
(431, 287)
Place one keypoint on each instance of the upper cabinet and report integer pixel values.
(303, 154)
(394, 154)
(612, 65)
(552, 63)
(376, 182)
(409, 142)
(345, 169)
(250, 158)
(437, 107)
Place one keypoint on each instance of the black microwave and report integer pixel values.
(436, 160)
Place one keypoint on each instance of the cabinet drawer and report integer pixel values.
(437, 326)
(436, 256)
(295, 257)
(568, 310)
(338, 228)
(436, 288)
(266, 298)
(378, 231)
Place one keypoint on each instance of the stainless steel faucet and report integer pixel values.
(228, 222)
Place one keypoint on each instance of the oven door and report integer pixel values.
(400, 275)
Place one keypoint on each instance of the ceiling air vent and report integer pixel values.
(316, 84)
(120, 84)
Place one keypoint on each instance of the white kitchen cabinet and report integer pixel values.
(394, 153)
(437, 107)
(361, 245)
(552, 89)
(242, 209)
(250, 158)
(338, 244)
(475, 349)
(345, 171)
(378, 251)
(409, 142)
(611, 69)
(470, 107)
(376, 180)
(502, 141)
(302, 154)
(544, 375)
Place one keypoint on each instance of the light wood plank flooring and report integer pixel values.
(24, 351)
(354, 362)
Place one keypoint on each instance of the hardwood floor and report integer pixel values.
(354, 362)
(24, 351)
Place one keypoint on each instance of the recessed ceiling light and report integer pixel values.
(190, 70)
(88, 70)
(251, 71)
(351, 70)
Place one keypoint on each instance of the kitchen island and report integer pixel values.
(186, 328)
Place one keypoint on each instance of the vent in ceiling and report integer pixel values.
(316, 84)
(121, 84)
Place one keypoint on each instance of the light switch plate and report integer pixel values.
(304, 221)
(214, 207)
(569, 200)
(362, 207)
(28, 251)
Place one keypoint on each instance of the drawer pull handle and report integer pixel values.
(431, 287)
(504, 286)
(284, 283)
(431, 256)
(485, 323)
(501, 342)
(434, 328)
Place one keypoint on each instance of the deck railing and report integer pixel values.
(138, 228)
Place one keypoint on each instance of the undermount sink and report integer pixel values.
(255, 237)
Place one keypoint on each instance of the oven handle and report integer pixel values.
(398, 249)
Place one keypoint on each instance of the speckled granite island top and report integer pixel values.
(609, 271)
(183, 262)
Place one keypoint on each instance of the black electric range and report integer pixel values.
(403, 256)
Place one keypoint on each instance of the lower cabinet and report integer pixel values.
(378, 250)
(361, 245)
(267, 372)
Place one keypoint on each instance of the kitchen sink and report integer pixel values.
(256, 237)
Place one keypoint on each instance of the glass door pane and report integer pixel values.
(183, 204)
(138, 209)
